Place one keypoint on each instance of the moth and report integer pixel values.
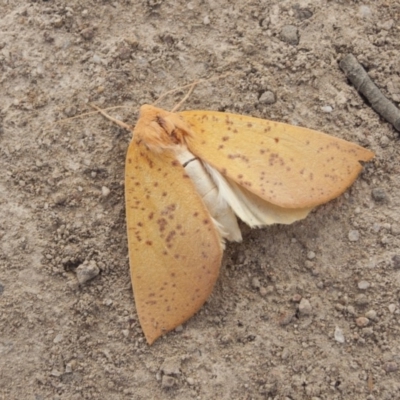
(190, 174)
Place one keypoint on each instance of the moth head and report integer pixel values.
(159, 129)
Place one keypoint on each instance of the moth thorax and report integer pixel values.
(222, 214)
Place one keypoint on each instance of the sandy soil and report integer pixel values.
(284, 318)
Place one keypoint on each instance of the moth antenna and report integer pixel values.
(191, 87)
(190, 91)
(116, 121)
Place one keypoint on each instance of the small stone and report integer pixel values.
(365, 11)
(190, 381)
(96, 59)
(58, 22)
(371, 314)
(289, 34)
(305, 307)
(396, 261)
(55, 373)
(351, 310)
(285, 318)
(391, 366)
(125, 332)
(384, 141)
(363, 285)
(311, 255)
(105, 191)
(339, 337)
(339, 307)
(326, 109)
(392, 308)
(59, 338)
(362, 322)
(87, 271)
(255, 283)
(395, 229)
(263, 291)
(226, 339)
(70, 111)
(361, 300)
(179, 328)
(297, 298)
(1, 288)
(302, 13)
(376, 227)
(378, 194)
(168, 382)
(354, 236)
(206, 20)
(267, 97)
(88, 33)
(171, 366)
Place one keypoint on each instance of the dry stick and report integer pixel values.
(363, 83)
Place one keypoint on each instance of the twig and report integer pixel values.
(363, 83)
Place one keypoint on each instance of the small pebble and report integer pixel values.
(125, 332)
(168, 382)
(263, 291)
(326, 109)
(395, 229)
(59, 338)
(206, 20)
(365, 11)
(305, 307)
(392, 308)
(87, 271)
(87, 33)
(361, 300)
(105, 191)
(378, 194)
(351, 310)
(96, 59)
(391, 366)
(396, 261)
(70, 111)
(362, 322)
(255, 283)
(1, 288)
(363, 285)
(354, 236)
(339, 337)
(371, 314)
(267, 97)
(297, 298)
(190, 381)
(290, 34)
(171, 366)
(311, 255)
(285, 318)
(179, 328)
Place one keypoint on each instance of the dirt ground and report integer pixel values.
(306, 311)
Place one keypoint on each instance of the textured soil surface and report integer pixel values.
(306, 311)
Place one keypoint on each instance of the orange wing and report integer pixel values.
(286, 165)
(174, 248)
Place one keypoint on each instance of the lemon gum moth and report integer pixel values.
(190, 174)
